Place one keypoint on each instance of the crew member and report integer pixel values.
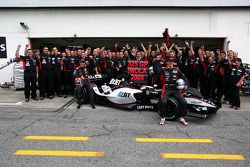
(236, 78)
(69, 67)
(121, 64)
(157, 65)
(210, 79)
(44, 74)
(55, 79)
(30, 73)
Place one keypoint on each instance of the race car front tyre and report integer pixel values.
(172, 110)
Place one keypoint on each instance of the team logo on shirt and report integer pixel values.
(43, 61)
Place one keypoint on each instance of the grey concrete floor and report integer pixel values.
(113, 132)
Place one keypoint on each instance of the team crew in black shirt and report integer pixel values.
(204, 69)
(30, 67)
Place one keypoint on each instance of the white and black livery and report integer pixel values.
(132, 96)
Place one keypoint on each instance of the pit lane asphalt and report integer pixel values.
(114, 131)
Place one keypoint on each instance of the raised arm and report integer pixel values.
(227, 46)
(103, 51)
(131, 56)
(25, 50)
(149, 49)
(187, 44)
(192, 47)
(17, 51)
(178, 49)
(144, 50)
(171, 47)
(157, 47)
(165, 47)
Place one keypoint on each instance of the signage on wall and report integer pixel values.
(3, 53)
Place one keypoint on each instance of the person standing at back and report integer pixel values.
(68, 67)
(55, 79)
(44, 70)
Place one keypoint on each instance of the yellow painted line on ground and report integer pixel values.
(203, 156)
(80, 138)
(59, 153)
(172, 140)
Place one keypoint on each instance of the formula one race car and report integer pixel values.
(132, 96)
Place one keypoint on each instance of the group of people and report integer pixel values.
(216, 74)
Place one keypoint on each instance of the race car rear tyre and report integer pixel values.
(172, 109)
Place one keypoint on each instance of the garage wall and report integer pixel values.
(228, 23)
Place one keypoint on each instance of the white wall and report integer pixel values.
(228, 23)
(115, 3)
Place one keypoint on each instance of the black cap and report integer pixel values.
(170, 59)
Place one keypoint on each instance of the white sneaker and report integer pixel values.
(162, 121)
(183, 121)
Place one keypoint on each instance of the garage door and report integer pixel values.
(61, 43)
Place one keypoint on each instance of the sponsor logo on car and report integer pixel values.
(143, 107)
(124, 94)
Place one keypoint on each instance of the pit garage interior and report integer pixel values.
(61, 43)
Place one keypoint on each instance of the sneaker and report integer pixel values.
(183, 121)
(41, 98)
(93, 106)
(236, 108)
(27, 100)
(162, 121)
(51, 97)
(79, 106)
(34, 98)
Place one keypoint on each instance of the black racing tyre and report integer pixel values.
(194, 92)
(172, 109)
